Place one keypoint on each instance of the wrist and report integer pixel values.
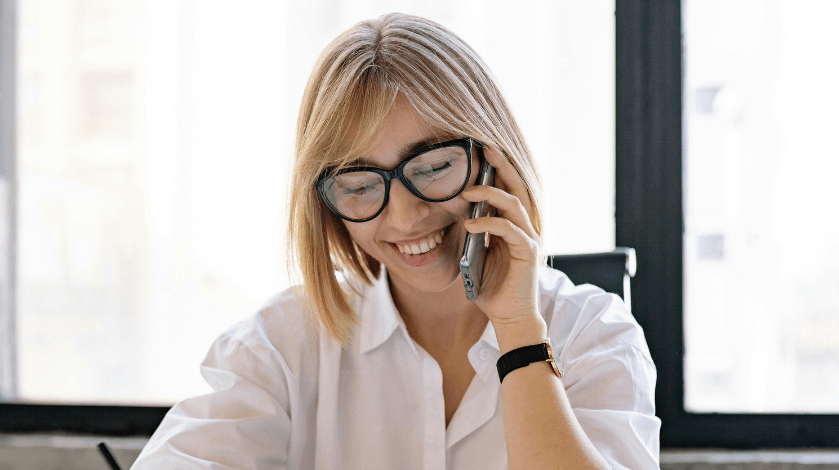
(523, 331)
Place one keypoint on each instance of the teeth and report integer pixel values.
(425, 246)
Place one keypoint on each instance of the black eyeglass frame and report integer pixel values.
(465, 143)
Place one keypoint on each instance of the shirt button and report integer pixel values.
(484, 354)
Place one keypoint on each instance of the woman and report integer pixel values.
(392, 366)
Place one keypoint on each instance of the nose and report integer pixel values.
(404, 209)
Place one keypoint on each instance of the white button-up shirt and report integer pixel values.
(284, 398)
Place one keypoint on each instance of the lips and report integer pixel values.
(428, 248)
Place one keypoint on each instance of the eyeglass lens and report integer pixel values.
(437, 175)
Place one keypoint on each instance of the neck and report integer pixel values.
(440, 322)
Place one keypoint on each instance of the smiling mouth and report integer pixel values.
(423, 246)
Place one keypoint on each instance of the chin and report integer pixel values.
(443, 282)
(437, 281)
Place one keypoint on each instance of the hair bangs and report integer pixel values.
(348, 127)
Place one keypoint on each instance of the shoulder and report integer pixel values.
(599, 342)
(277, 338)
(282, 328)
(280, 320)
(585, 315)
(263, 372)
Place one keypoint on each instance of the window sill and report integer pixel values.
(720, 459)
(68, 452)
(71, 452)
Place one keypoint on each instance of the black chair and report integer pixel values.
(609, 271)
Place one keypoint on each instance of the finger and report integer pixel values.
(508, 179)
(519, 244)
(508, 205)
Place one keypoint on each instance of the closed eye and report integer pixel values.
(359, 190)
(433, 170)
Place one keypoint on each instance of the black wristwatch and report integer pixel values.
(527, 355)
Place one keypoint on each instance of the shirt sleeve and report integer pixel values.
(610, 382)
(243, 424)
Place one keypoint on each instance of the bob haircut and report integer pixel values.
(347, 98)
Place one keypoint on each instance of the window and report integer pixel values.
(650, 217)
(759, 160)
(153, 140)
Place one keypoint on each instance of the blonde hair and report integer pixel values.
(352, 87)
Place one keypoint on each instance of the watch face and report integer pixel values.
(557, 369)
(553, 360)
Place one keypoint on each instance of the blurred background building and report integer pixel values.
(154, 143)
(154, 148)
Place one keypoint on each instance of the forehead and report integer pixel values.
(402, 133)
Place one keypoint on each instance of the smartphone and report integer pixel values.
(475, 248)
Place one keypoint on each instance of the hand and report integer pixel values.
(510, 281)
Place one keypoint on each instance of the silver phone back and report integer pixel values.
(475, 248)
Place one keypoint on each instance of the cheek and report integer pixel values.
(362, 234)
(459, 206)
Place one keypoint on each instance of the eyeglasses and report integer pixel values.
(435, 173)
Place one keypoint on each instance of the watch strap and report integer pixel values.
(523, 356)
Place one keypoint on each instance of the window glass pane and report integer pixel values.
(761, 227)
(154, 145)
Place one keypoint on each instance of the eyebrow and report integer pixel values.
(404, 153)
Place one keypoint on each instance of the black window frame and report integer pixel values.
(648, 217)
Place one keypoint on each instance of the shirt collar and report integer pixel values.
(379, 318)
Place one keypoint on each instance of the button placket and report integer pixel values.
(435, 435)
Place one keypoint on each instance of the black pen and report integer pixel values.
(103, 448)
